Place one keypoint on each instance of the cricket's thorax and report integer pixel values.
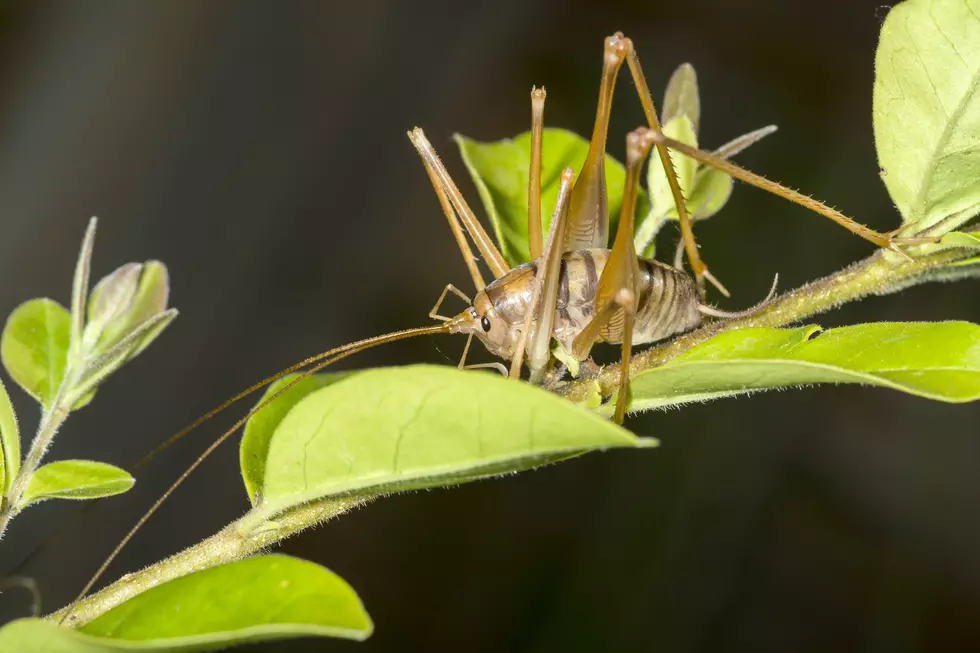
(667, 302)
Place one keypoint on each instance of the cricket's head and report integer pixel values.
(498, 312)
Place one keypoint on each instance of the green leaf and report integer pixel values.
(961, 239)
(259, 429)
(682, 97)
(396, 429)
(110, 299)
(927, 110)
(79, 289)
(500, 174)
(127, 299)
(936, 360)
(76, 479)
(680, 128)
(260, 599)
(34, 347)
(712, 188)
(9, 441)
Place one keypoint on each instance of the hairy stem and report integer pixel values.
(51, 421)
(226, 545)
(879, 274)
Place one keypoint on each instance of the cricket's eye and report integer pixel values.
(485, 323)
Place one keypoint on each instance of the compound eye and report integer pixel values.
(485, 323)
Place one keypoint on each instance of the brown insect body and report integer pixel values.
(667, 303)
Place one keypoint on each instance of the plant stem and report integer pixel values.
(226, 545)
(51, 421)
(879, 274)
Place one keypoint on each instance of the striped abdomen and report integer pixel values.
(667, 298)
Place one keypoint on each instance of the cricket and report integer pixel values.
(577, 291)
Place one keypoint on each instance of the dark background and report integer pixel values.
(259, 150)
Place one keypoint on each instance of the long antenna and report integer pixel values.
(56, 532)
(331, 356)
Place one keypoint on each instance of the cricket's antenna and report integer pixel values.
(16, 571)
(326, 358)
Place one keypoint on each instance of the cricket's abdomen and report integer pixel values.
(667, 298)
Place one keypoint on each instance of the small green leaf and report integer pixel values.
(936, 360)
(712, 188)
(34, 347)
(680, 128)
(396, 429)
(79, 289)
(138, 293)
(76, 479)
(500, 174)
(259, 429)
(740, 143)
(110, 298)
(9, 441)
(682, 97)
(927, 110)
(961, 239)
(259, 599)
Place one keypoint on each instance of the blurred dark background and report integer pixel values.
(259, 150)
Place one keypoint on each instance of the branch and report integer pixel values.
(882, 273)
(227, 545)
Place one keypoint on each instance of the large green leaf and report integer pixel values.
(76, 479)
(927, 110)
(34, 347)
(937, 360)
(500, 173)
(9, 441)
(265, 598)
(422, 426)
(258, 431)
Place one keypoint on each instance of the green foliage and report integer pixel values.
(682, 97)
(706, 189)
(34, 347)
(76, 479)
(927, 111)
(124, 301)
(386, 430)
(9, 441)
(59, 357)
(500, 173)
(127, 311)
(961, 239)
(258, 433)
(937, 360)
(348, 436)
(271, 597)
(680, 128)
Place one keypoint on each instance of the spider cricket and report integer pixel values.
(575, 290)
